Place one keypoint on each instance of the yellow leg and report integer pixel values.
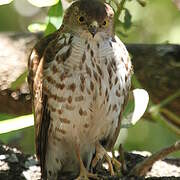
(100, 153)
(84, 174)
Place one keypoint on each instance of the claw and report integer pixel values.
(100, 153)
(84, 174)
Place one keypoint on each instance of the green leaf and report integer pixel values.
(54, 18)
(16, 123)
(43, 3)
(3, 2)
(127, 19)
(19, 81)
(50, 29)
(6, 116)
(56, 10)
(119, 28)
(36, 27)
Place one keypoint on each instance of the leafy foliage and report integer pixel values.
(55, 14)
(19, 81)
(39, 3)
(135, 108)
(127, 19)
(3, 2)
(16, 123)
(42, 3)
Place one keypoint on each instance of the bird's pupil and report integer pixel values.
(81, 19)
(104, 23)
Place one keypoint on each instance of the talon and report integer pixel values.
(84, 174)
(109, 161)
(100, 153)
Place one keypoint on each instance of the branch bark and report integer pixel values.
(19, 166)
(157, 67)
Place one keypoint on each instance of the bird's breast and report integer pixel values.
(85, 90)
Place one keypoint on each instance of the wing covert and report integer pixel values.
(39, 100)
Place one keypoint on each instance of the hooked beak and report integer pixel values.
(93, 28)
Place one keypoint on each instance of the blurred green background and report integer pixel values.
(157, 22)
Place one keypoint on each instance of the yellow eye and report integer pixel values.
(81, 19)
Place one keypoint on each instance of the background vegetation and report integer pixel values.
(157, 22)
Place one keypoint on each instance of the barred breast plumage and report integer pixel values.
(83, 84)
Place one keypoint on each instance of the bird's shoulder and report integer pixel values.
(35, 57)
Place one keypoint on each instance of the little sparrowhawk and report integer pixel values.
(79, 77)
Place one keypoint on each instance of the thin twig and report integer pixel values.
(120, 7)
(165, 102)
(143, 167)
(164, 122)
(174, 119)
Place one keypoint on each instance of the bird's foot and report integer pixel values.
(112, 162)
(84, 174)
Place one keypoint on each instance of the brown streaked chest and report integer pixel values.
(90, 68)
(85, 80)
(80, 58)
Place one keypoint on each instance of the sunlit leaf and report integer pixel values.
(141, 99)
(54, 18)
(36, 27)
(2, 2)
(19, 81)
(56, 10)
(50, 29)
(43, 3)
(136, 107)
(16, 123)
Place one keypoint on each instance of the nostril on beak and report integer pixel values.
(93, 28)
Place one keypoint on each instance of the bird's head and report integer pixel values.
(89, 19)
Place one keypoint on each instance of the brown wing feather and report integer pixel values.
(40, 109)
(35, 57)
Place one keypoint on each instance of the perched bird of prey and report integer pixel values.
(79, 78)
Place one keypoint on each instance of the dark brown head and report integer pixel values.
(89, 19)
